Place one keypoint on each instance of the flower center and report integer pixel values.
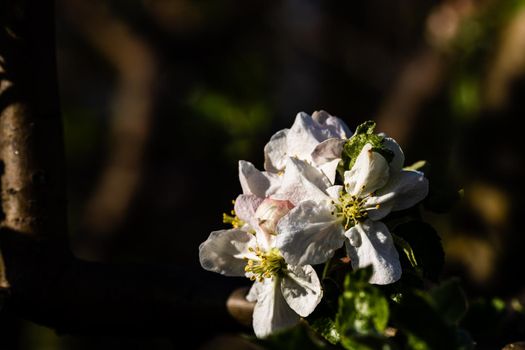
(267, 264)
(350, 209)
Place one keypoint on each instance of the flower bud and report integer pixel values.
(269, 212)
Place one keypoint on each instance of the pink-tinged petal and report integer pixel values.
(269, 212)
(301, 289)
(224, 250)
(371, 244)
(369, 173)
(271, 313)
(259, 183)
(309, 234)
(275, 152)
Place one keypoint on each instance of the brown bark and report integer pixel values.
(31, 145)
(49, 285)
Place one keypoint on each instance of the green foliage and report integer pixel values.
(363, 313)
(296, 338)
(364, 134)
(326, 327)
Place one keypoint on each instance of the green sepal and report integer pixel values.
(364, 134)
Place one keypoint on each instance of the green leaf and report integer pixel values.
(425, 247)
(326, 327)
(363, 313)
(450, 301)
(364, 134)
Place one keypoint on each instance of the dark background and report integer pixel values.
(160, 98)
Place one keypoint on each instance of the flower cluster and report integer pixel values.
(323, 188)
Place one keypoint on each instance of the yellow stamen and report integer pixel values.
(350, 209)
(266, 265)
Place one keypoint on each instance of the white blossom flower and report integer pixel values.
(302, 138)
(325, 217)
(283, 293)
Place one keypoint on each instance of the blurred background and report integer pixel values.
(160, 98)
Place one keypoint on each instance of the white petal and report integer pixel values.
(224, 250)
(336, 127)
(334, 191)
(377, 207)
(374, 246)
(301, 289)
(308, 131)
(399, 157)
(275, 152)
(271, 312)
(328, 150)
(309, 234)
(369, 173)
(259, 183)
(404, 190)
(303, 136)
(301, 181)
(255, 290)
(245, 208)
(330, 169)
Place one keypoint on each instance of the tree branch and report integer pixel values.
(31, 145)
(48, 284)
